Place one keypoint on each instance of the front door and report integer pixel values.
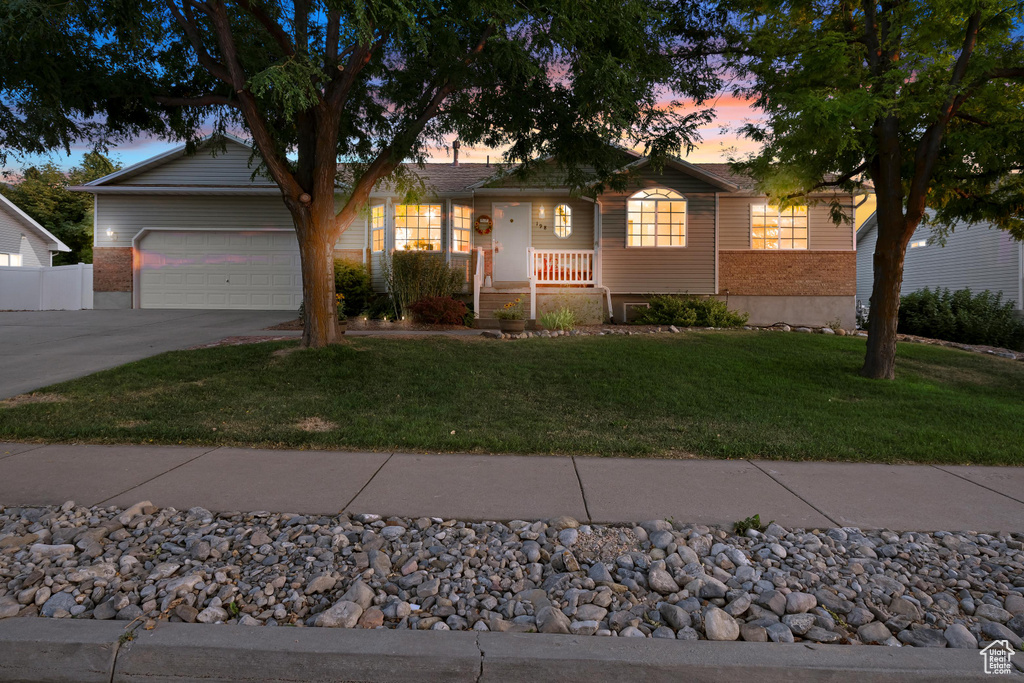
(511, 236)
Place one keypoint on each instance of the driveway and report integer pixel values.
(39, 348)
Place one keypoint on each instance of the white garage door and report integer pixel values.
(200, 269)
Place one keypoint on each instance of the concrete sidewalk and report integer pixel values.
(503, 487)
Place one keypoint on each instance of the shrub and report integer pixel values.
(380, 307)
(562, 319)
(439, 310)
(687, 311)
(352, 281)
(415, 275)
(960, 317)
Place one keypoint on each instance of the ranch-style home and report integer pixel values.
(198, 231)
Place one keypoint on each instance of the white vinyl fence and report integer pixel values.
(61, 288)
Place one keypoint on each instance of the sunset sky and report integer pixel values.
(719, 142)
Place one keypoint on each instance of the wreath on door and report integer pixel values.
(483, 224)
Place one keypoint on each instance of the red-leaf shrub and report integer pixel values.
(439, 310)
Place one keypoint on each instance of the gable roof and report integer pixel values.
(159, 160)
(714, 177)
(28, 222)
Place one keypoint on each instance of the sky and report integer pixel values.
(718, 143)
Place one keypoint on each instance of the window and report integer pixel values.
(918, 243)
(377, 228)
(657, 218)
(462, 220)
(771, 228)
(418, 227)
(563, 221)
(10, 259)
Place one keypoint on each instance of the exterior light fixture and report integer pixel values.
(542, 212)
(110, 232)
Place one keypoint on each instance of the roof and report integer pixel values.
(447, 178)
(27, 221)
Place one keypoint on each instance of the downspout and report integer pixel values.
(599, 259)
(366, 233)
(448, 232)
(716, 241)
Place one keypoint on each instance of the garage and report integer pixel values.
(208, 269)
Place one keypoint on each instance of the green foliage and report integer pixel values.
(415, 275)
(689, 311)
(352, 280)
(824, 96)
(741, 527)
(960, 317)
(439, 310)
(381, 307)
(562, 319)
(512, 310)
(43, 194)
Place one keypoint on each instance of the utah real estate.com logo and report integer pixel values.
(997, 657)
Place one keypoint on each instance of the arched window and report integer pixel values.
(657, 218)
(563, 221)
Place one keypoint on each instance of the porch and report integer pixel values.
(556, 278)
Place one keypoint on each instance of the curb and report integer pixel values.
(36, 649)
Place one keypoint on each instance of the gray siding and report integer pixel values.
(208, 166)
(975, 257)
(661, 269)
(34, 249)
(822, 233)
(126, 215)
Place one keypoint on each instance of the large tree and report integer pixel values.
(42, 192)
(313, 82)
(923, 98)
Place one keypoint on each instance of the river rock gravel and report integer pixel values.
(657, 579)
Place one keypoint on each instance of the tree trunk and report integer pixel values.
(320, 326)
(890, 249)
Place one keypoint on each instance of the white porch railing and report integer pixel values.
(478, 279)
(562, 266)
(559, 267)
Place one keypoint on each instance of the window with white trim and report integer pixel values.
(418, 227)
(377, 228)
(772, 228)
(918, 243)
(656, 218)
(563, 221)
(10, 259)
(462, 222)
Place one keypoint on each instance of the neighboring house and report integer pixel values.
(23, 242)
(198, 231)
(975, 257)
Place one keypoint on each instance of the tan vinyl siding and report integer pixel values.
(582, 236)
(34, 249)
(207, 166)
(823, 234)
(661, 269)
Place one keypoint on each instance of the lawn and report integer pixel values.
(722, 394)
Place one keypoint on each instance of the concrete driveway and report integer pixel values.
(39, 348)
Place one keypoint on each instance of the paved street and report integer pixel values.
(44, 347)
(478, 487)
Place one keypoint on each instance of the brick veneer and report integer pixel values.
(112, 269)
(354, 255)
(787, 273)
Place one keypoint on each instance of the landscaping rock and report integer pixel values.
(720, 626)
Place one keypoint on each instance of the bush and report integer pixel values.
(352, 280)
(562, 319)
(415, 275)
(439, 310)
(687, 311)
(960, 317)
(380, 307)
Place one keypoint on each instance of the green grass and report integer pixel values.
(724, 394)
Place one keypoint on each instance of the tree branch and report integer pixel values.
(215, 68)
(198, 101)
(279, 35)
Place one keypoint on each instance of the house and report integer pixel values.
(975, 257)
(23, 242)
(203, 231)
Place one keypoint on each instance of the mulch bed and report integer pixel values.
(359, 325)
